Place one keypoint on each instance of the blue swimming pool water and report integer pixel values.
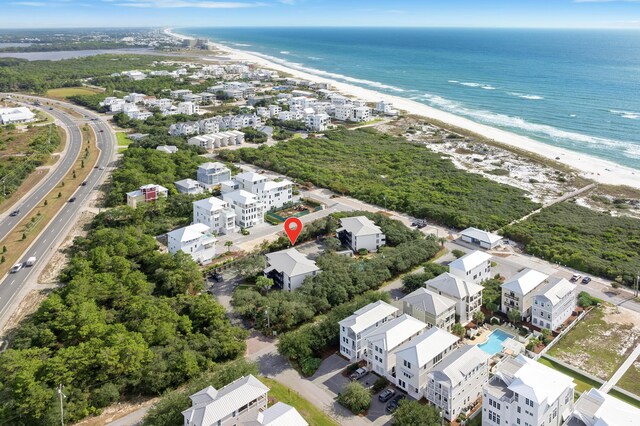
(494, 344)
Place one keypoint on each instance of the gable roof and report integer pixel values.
(240, 196)
(429, 301)
(454, 286)
(290, 262)
(426, 346)
(227, 400)
(189, 233)
(396, 331)
(359, 226)
(470, 260)
(556, 290)
(187, 183)
(250, 176)
(525, 281)
(601, 409)
(538, 382)
(209, 165)
(211, 204)
(279, 414)
(368, 315)
(481, 235)
(459, 363)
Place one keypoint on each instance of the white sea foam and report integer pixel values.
(626, 114)
(525, 96)
(453, 81)
(314, 58)
(632, 151)
(488, 87)
(518, 123)
(242, 44)
(328, 74)
(285, 52)
(471, 84)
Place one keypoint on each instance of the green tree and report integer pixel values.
(478, 317)
(264, 284)
(491, 307)
(4, 249)
(458, 329)
(413, 413)
(457, 253)
(514, 316)
(228, 245)
(355, 397)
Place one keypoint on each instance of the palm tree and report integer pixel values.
(514, 316)
(442, 240)
(478, 317)
(228, 245)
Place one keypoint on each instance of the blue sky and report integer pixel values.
(208, 13)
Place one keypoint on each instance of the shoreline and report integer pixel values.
(593, 168)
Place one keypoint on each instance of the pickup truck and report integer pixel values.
(30, 261)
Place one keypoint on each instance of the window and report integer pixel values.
(406, 363)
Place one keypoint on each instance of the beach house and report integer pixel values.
(289, 268)
(415, 358)
(430, 308)
(167, 149)
(456, 383)
(554, 303)
(210, 174)
(146, 194)
(518, 291)
(526, 392)
(466, 294)
(384, 340)
(318, 122)
(474, 266)
(596, 408)
(216, 214)
(360, 233)
(249, 209)
(188, 186)
(362, 322)
(195, 240)
(484, 239)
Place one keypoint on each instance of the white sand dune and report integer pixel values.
(599, 170)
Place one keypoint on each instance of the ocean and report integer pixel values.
(576, 89)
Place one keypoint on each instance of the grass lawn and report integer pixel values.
(631, 379)
(596, 345)
(123, 140)
(65, 92)
(583, 383)
(313, 415)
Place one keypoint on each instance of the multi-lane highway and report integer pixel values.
(42, 248)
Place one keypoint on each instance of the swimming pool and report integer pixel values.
(493, 345)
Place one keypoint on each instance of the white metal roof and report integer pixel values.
(187, 183)
(240, 196)
(429, 301)
(228, 399)
(460, 363)
(210, 165)
(7, 115)
(290, 262)
(454, 286)
(470, 260)
(481, 235)
(556, 290)
(189, 233)
(279, 414)
(538, 382)
(396, 331)
(273, 185)
(601, 409)
(359, 226)
(426, 346)
(251, 177)
(211, 204)
(368, 315)
(525, 281)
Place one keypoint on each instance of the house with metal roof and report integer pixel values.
(518, 291)
(361, 323)
(484, 239)
(430, 308)
(467, 295)
(474, 266)
(195, 240)
(554, 303)
(359, 232)
(217, 214)
(596, 408)
(289, 268)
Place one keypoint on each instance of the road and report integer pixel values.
(25, 205)
(44, 245)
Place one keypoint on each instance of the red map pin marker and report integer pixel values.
(293, 227)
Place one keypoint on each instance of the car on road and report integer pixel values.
(393, 404)
(72, 199)
(15, 268)
(50, 109)
(217, 277)
(359, 373)
(586, 280)
(101, 168)
(30, 261)
(15, 213)
(576, 277)
(386, 395)
(84, 183)
(101, 131)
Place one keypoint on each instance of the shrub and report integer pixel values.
(363, 252)
(379, 384)
(309, 365)
(355, 397)
(351, 368)
(457, 253)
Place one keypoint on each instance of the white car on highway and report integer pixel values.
(15, 268)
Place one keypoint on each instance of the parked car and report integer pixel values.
(15, 268)
(15, 213)
(217, 277)
(576, 277)
(586, 280)
(386, 395)
(359, 373)
(393, 404)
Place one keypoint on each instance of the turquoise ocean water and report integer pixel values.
(577, 89)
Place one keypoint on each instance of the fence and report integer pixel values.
(562, 333)
(275, 216)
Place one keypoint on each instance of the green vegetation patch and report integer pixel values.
(123, 140)
(583, 239)
(66, 92)
(630, 381)
(389, 171)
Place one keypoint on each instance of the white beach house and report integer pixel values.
(474, 266)
(210, 174)
(289, 268)
(362, 322)
(359, 232)
(596, 408)
(249, 209)
(466, 294)
(188, 186)
(518, 291)
(430, 308)
(554, 303)
(216, 214)
(195, 240)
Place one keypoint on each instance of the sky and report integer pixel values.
(392, 13)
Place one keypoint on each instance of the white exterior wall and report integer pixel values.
(545, 315)
(369, 242)
(452, 399)
(202, 250)
(477, 274)
(221, 221)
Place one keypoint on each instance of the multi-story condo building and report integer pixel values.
(467, 295)
(430, 308)
(195, 240)
(596, 408)
(518, 292)
(216, 214)
(188, 186)
(146, 194)
(318, 122)
(554, 303)
(362, 322)
(359, 232)
(474, 266)
(274, 193)
(249, 209)
(382, 342)
(212, 174)
(289, 268)
(456, 383)
(525, 392)
(418, 356)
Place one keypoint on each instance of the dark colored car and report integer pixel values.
(72, 199)
(393, 404)
(15, 213)
(386, 395)
(101, 131)
(586, 280)
(84, 183)
(217, 277)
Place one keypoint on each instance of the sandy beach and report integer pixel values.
(601, 171)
